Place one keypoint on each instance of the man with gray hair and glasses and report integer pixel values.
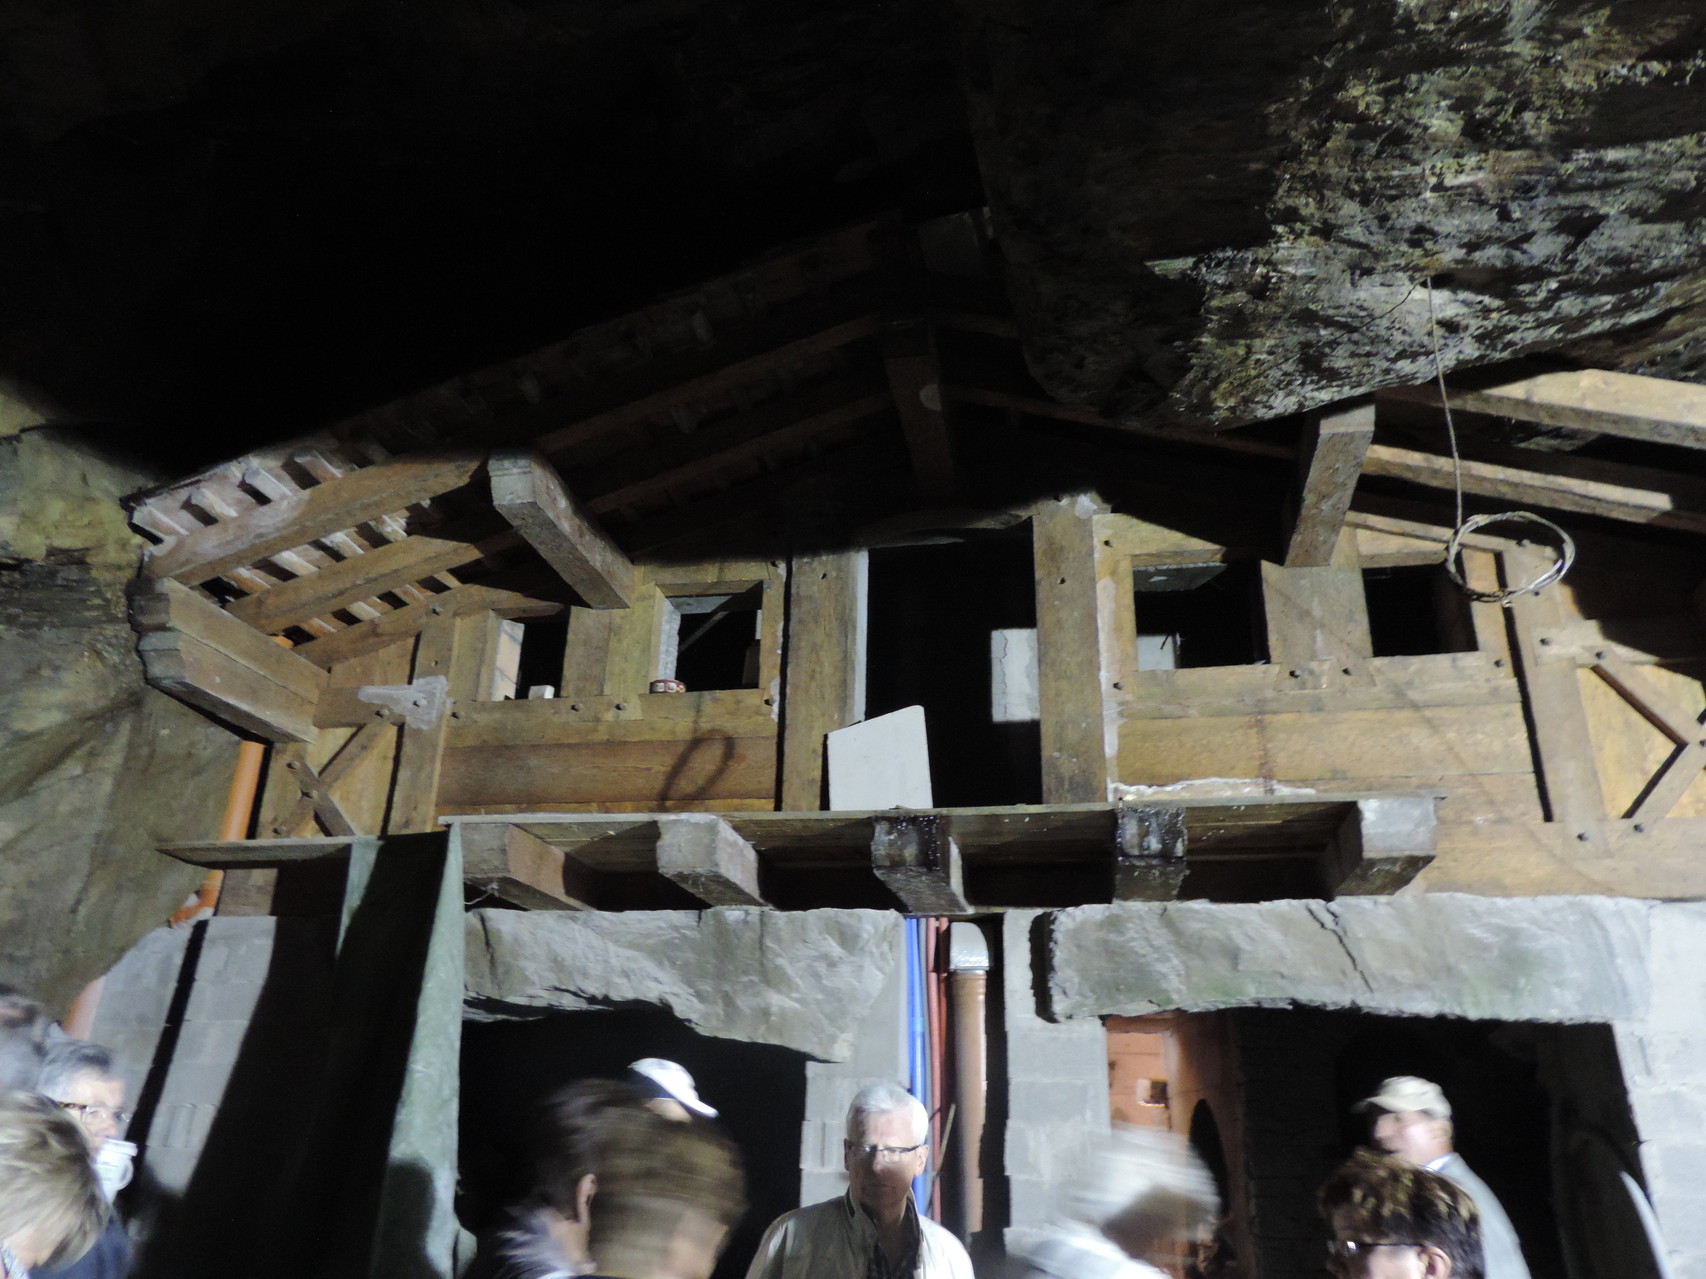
(873, 1231)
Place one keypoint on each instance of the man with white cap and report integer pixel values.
(668, 1089)
(1413, 1123)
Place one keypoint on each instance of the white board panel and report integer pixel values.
(881, 763)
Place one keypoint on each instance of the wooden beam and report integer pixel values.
(527, 492)
(915, 382)
(511, 595)
(520, 868)
(707, 857)
(1678, 773)
(919, 862)
(350, 500)
(421, 754)
(1149, 853)
(1602, 497)
(1318, 614)
(821, 689)
(361, 577)
(194, 650)
(1069, 653)
(1334, 445)
(1384, 844)
(253, 853)
(1563, 742)
(316, 785)
(1623, 404)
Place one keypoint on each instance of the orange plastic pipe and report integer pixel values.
(239, 805)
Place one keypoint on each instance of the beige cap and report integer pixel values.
(1406, 1092)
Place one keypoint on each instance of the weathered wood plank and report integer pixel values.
(918, 860)
(359, 578)
(225, 688)
(520, 868)
(1384, 844)
(161, 606)
(509, 598)
(1563, 743)
(252, 853)
(707, 857)
(527, 491)
(1520, 859)
(1334, 446)
(1071, 677)
(421, 753)
(1149, 853)
(1317, 614)
(653, 771)
(1623, 404)
(822, 687)
(345, 502)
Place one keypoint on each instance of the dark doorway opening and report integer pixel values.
(1415, 608)
(508, 1067)
(1191, 615)
(933, 615)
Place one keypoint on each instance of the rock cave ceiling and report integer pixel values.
(224, 225)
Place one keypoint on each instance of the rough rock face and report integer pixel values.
(96, 769)
(1225, 212)
(798, 979)
(1565, 959)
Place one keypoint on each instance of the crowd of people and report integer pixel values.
(634, 1179)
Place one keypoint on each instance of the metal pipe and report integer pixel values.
(968, 961)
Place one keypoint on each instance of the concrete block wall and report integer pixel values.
(879, 1052)
(136, 995)
(1663, 1055)
(1057, 1087)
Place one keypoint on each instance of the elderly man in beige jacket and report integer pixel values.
(873, 1231)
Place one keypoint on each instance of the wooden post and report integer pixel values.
(915, 380)
(1331, 456)
(822, 688)
(1069, 652)
(527, 491)
(1149, 853)
(917, 858)
(415, 795)
(1317, 614)
(1563, 743)
(706, 856)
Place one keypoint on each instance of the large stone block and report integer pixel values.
(1561, 959)
(798, 979)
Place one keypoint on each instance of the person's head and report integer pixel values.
(572, 1130)
(668, 1089)
(81, 1077)
(1393, 1220)
(1412, 1119)
(887, 1146)
(1147, 1191)
(23, 1036)
(668, 1194)
(51, 1206)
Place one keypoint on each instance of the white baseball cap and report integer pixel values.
(1407, 1092)
(659, 1078)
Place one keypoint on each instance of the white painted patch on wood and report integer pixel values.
(1013, 676)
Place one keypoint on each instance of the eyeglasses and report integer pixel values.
(1346, 1250)
(83, 1111)
(880, 1153)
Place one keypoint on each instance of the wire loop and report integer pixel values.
(1508, 595)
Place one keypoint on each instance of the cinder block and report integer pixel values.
(222, 1000)
(196, 1083)
(1069, 1101)
(209, 1043)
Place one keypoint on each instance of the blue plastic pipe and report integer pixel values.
(918, 1040)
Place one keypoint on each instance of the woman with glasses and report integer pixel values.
(1392, 1220)
(81, 1079)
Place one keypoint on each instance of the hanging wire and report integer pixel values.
(1462, 528)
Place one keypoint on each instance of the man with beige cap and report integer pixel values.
(1413, 1123)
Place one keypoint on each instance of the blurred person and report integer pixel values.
(668, 1194)
(546, 1237)
(81, 1079)
(873, 1231)
(1394, 1220)
(1413, 1123)
(1142, 1202)
(668, 1089)
(51, 1206)
(23, 1039)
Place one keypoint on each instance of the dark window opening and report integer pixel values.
(1192, 615)
(1415, 609)
(540, 662)
(933, 621)
(711, 641)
